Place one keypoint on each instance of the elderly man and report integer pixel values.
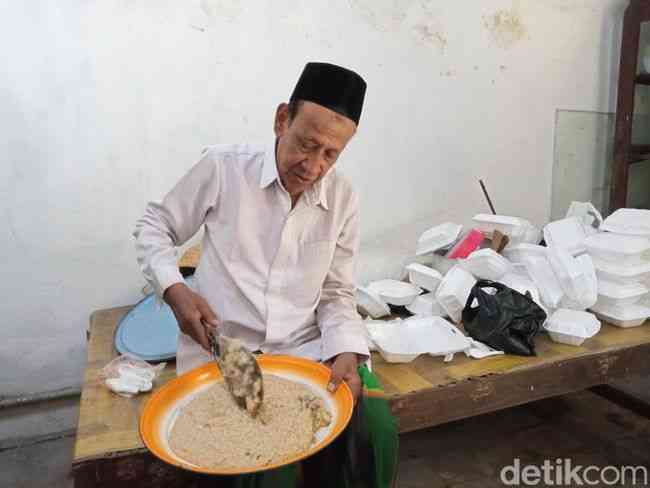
(281, 233)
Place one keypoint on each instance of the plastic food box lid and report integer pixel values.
(524, 250)
(394, 290)
(573, 322)
(426, 304)
(420, 335)
(487, 263)
(622, 314)
(568, 234)
(630, 221)
(617, 244)
(415, 269)
(371, 302)
(618, 291)
(621, 270)
(438, 237)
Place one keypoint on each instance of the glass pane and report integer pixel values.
(641, 124)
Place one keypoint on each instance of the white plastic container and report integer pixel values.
(630, 316)
(531, 235)
(393, 292)
(613, 294)
(547, 283)
(582, 291)
(513, 227)
(628, 221)
(568, 271)
(426, 304)
(571, 326)
(622, 274)
(486, 264)
(454, 290)
(523, 252)
(404, 341)
(438, 237)
(371, 304)
(424, 276)
(523, 284)
(622, 250)
(567, 234)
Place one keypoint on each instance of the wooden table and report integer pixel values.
(427, 392)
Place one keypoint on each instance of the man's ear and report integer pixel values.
(281, 120)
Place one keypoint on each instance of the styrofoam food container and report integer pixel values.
(377, 327)
(522, 252)
(408, 339)
(370, 303)
(630, 316)
(583, 290)
(569, 272)
(424, 276)
(454, 290)
(628, 221)
(547, 283)
(622, 274)
(571, 326)
(513, 227)
(394, 292)
(567, 234)
(486, 264)
(613, 294)
(522, 284)
(532, 235)
(620, 249)
(438, 237)
(426, 304)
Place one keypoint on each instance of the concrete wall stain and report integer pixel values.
(506, 28)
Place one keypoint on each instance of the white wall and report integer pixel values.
(105, 104)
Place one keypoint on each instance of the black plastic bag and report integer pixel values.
(506, 320)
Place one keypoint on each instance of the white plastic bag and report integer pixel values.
(128, 376)
(587, 214)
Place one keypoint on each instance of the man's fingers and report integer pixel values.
(335, 380)
(207, 314)
(200, 334)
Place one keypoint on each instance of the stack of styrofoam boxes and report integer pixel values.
(620, 254)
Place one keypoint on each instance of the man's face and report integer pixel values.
(309, 145)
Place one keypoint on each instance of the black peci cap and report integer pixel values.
(333, 87)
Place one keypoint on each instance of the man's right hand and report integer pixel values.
(192, 312)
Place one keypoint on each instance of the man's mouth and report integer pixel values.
(301, 179)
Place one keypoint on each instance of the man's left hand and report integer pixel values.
(344, 368)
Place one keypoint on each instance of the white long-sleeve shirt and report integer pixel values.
(279, 279)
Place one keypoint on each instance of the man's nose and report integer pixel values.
(312, 165)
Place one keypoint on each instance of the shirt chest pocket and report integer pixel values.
(307, 270)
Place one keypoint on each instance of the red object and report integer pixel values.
(467, 245)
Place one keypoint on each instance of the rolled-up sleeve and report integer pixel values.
(173, 221)
(340, 324)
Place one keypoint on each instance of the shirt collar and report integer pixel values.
(316, 194)
(269, 167)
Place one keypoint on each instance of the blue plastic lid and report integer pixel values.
(148, 331)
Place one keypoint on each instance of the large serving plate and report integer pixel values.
(162, 409)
